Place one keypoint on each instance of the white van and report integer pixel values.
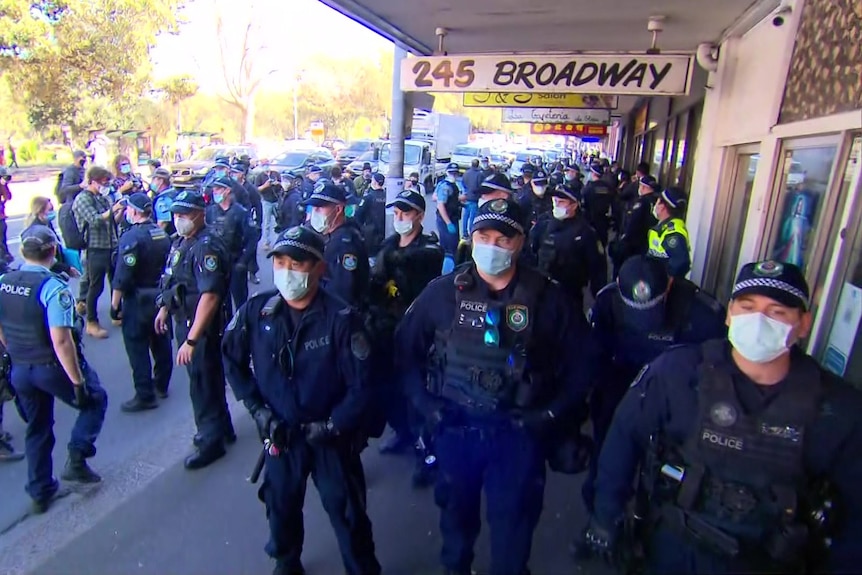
(464, 154)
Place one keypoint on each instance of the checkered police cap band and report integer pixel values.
(188, 205)
(407, 202)
(642, 305)
(493, 186)
(325, 198)
(773, 284)
(287, 242)
(500, 218)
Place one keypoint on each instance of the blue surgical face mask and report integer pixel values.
(218, 198)
(491, 259)
(126, 169)
(129, 218)
(51, 216)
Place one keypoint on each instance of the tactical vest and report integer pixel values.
(562, 265)
(219, 226)
(743, 473)
(181, 294)
(24, 319)
(453, 204)
(480, 377)
(657, 237)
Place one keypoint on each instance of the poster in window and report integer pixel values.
(794, 232)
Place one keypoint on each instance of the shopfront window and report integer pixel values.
(679, 157)
(658, 152)
(804, 181)
(670, 147)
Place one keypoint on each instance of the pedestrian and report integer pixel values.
(42, 213)
(5, 196)
(371, 214)
(308, 395)
(13, 156)
(39, 333)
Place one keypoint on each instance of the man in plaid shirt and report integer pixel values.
(97, 216)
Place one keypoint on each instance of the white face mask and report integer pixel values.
(184, 226)
(560, 213)
(539, 190)
(319, 221)
(491, 259)
(105, 190)
(757, 337)
(402, 227)
(655, 212)
(450, 178)
(291, 284)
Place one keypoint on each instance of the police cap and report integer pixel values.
(314, 169)
(649, 182)
(573, 168)
(643, 282)
(326, 193)
(503, 215)
(238, 168)
(187, 202)
(163, 173)
(378, 177)
(495, 183)
(527, 169)
(783, 282)
(222, 162)
(408, 200)
(540, 177)
(674, 197)
(39, 236)
(564, 192)
(299, 243)
(597, 169)
(453, 168)
(140, 201)
(223, 182)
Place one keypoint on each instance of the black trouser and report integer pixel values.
(99, 266)
(336, 470)
(253, 266)
(207, 387)
(3, 232)
(141, 339)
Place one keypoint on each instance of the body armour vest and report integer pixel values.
(24, 319)
(743, 472)
(482, 357)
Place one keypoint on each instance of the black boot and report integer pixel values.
(78, 471)
(425, 472)
(40, 506)
(285, 568)
(137, 404)
(204, 456)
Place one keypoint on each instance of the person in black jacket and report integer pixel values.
(71, 181)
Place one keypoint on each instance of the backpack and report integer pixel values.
(57, 187)
(72, 235)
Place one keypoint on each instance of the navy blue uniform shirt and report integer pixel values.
(579, 259)
(308, 366)
(347, 270)
(232, 226)
(664, 397)
(561, 329)
(144, 249)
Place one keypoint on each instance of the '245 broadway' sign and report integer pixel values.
(637, 74)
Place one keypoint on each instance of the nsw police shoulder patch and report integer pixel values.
(130, 260)
(175, 259)
(349, 262)
(517, 317)
(210, 263)
(672, 242)
(65, 299)
(359, 346)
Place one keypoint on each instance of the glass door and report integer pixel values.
(728, 227)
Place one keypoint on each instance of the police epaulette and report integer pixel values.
(271, 305)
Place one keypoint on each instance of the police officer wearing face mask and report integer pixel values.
(508, 364)
(347, 268)
(566, 248)
(144, 249)
(525, 179)
(494, 187)
(598, 199)
(290, 211)
(312, 176)
(754, 464)
(308, 394)
(221, 169)
(534, 199)
(39, 333)
(229, 221)
(448, 193)
(371, 214)
(193, 292)
(668, 240)
(408, 261)
(637, 219)
(634, 320)
(255, 218)
(163, 196)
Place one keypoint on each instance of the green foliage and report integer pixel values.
(178, 88)
(26, 29)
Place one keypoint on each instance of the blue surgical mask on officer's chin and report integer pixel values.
(492, 260)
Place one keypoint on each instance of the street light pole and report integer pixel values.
(296, 104)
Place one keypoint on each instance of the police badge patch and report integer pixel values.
(130, 260)
(359, 346)
(175, 259)
(499, 206)
(210, 263)
(65, 299)
(517, 317)
(672, 242)
(722, 414)
(349, 262)
(641, 292)
(293, 233)
(768, 269)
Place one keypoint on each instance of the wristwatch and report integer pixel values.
(330, 427)
(191, 342)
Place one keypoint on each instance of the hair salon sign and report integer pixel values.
(637, 74)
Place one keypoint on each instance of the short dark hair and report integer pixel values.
(475, 163)
(335, 172)
(643, 168)
(96, 173)
(37, 252)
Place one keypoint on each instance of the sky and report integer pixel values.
(288, 30)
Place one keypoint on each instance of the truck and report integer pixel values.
(430, 145)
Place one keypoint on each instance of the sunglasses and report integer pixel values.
(491, 323)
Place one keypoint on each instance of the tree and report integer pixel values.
(177, 89)
(239, 58)
(26, 28)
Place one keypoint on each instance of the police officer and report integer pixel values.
(496, 186)
(290, 210)
(566, 248)
(408, 261)
(534, 199)
(163, 196)
(755, 448)
(39, 333)
(229, 221)
(255, 215)
(668, 240)
(637, 219)
(308, 394)
(634, 320)
(573, 180)
(598, 199)
(447, 193)
(508, 363)
(220, 169)
(525, 179)
(144, 249)
(313, 174)
(347, 267)
(193, 292)
(371, 214)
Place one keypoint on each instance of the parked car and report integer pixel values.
(371, 156)
(356, 149)
(298, 160)
(189, 173)
(464, 154)
(334, 145)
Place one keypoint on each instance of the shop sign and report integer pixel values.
(637, 74)
(546, 115)
(539, 100)
(568, 130)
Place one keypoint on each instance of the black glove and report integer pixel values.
(535, 421)
(319, 431)
(602, 540)
(265, 421)
(436, 414)
(115, 313)
(82, 396)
